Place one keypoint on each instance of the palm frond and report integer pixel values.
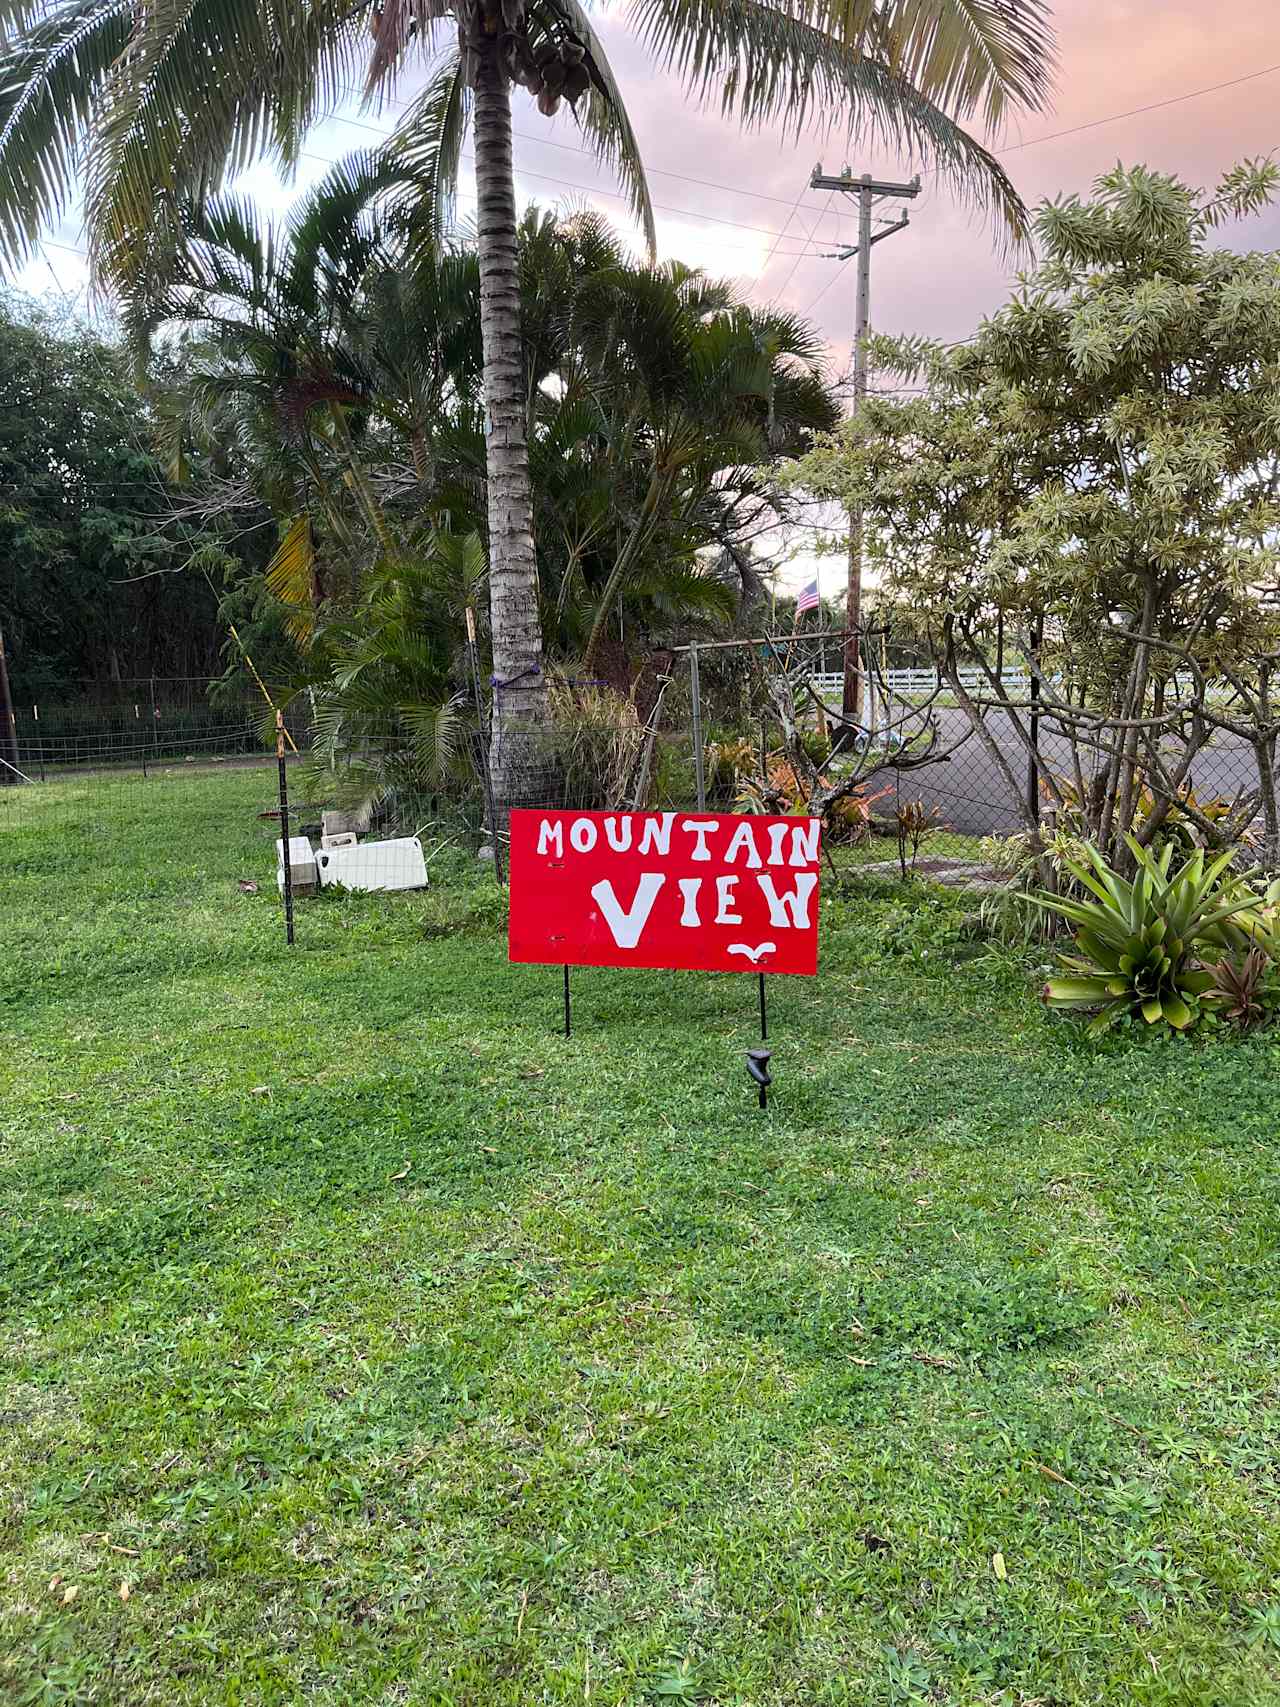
(205, 88)
(767, 63)
(684, 590)
(290, 576)
(337, 234)
(602, 118)
(436, 731)
(395, 24)
(428, 141)
(51, 80)
(971, 57)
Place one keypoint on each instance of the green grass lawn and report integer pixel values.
(365, 1341)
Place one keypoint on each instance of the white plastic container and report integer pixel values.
(302, 863)
(395, 864)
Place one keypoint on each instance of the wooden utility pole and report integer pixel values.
(868, 190)
(9, 772)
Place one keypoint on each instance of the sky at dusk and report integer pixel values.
(945, 271)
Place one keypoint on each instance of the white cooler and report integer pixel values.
(396, 864)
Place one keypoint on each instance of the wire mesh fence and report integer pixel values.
(137, 725)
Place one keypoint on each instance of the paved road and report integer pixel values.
(973, 798)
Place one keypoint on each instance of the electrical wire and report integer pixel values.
(1135, 112)
(1093, 124)
(799, 257)
(589, 154)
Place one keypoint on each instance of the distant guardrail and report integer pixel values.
(909, 684)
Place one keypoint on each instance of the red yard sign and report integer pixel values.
(705, 891)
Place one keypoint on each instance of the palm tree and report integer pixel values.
(703, 389)
(306, 333)
(336, 364)
(156, 105)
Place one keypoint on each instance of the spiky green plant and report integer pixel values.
(1256, 925)
(1246, 991)
(1137, 939)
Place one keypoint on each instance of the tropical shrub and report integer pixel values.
(1025, 862)
(1137, 939)
(592, 748)
(914, 824)
(1012, 492)
(1189, 821)
(391, 714)
(1246, 991)
(1257, 924)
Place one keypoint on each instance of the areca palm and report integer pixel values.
(703, 389)
(162, 102)
(308, 332)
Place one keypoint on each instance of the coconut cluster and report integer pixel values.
(551, 69)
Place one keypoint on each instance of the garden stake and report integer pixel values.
(284, 830)
(758, 1059)
(567, 1014)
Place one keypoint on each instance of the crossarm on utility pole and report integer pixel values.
(848, 254)
(846, 181)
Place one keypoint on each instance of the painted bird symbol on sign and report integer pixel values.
(717, 892)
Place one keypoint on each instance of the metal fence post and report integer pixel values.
(8, 726)
(695, 695)
(487, 778)
(284, 829)
(1033, 758)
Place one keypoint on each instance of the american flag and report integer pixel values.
(808, 598)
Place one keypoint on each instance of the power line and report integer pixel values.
(808, 244)
(826, 287)
(1011, 148)
(565, 184)
(684, 212)
(614, 195)
(799, 256)
(589, 154)
(1134, 112)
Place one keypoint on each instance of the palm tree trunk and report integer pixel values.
(520, 701)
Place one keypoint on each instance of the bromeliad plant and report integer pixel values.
(1246, 980)
(1137, 940)
(848, 818)
(1246, 992)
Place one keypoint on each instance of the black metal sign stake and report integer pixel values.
(567, 1010)
(758, 1059)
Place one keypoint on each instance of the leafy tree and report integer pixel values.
(93, 591)
(162, 104)
(1091, 483)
